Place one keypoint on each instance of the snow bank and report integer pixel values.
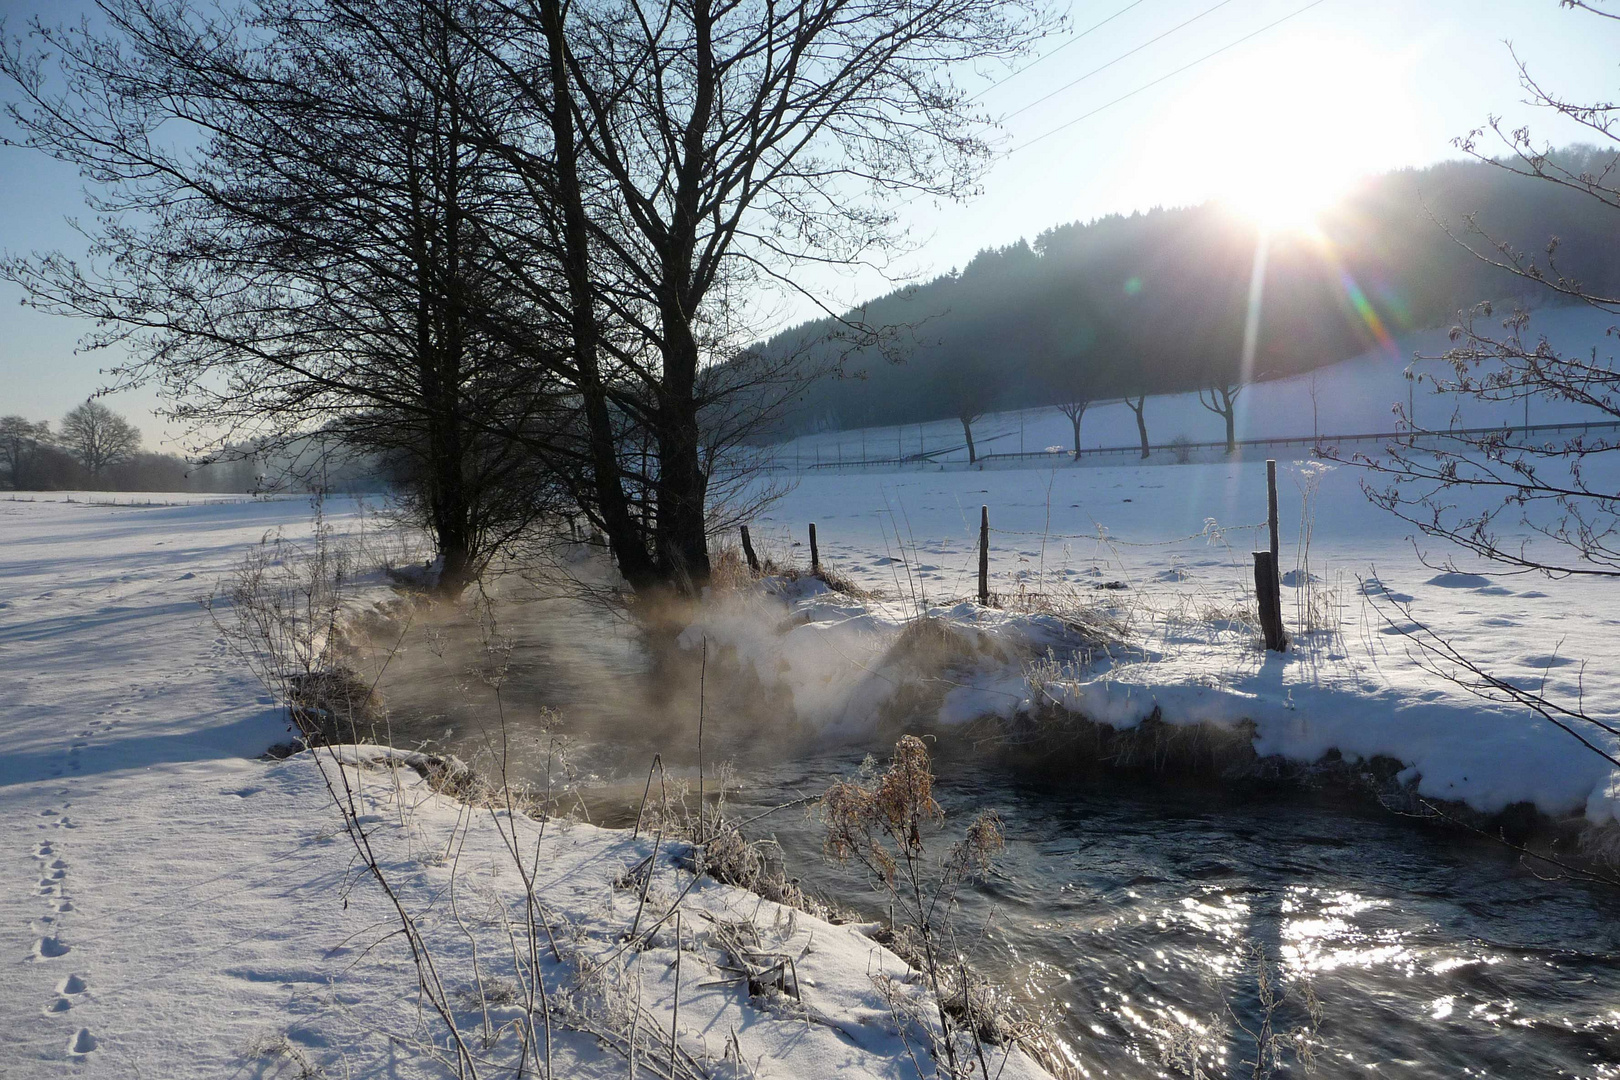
(844, 663)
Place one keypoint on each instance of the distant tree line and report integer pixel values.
(96, 449)
(1156, 302)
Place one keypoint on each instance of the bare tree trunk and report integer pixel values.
(625, 540)
(682, 484)
(967, 433)
(1139, 407)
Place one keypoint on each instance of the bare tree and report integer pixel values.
(1074, 410)
(98, 437)
(21, 440)
(694, 156)
(1221, 399)
(1139, 407)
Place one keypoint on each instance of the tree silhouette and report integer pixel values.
(21, 441)
(98, 437)
(1221, 399)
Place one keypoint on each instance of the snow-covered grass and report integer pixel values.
(1163, 554)
(177, 906)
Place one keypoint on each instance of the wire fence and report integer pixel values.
(1179, 452)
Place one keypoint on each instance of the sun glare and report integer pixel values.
(1280, 135)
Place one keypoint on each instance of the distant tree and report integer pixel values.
(968, 389)
(1138, 405)
(1221, 399)
(1074, 410)
(968, 414)
(21, 441)
(98, 437)
(1070, 377)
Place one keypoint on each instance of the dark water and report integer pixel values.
(1134, 911)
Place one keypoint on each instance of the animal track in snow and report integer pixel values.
(73, 984)
(82, 1042)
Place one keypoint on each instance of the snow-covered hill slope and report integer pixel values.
(1353, 397)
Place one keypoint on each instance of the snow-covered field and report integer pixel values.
(1173, 542)
(176, 907)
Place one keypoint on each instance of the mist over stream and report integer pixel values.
(1130, 908)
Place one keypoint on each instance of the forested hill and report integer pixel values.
(1156, 302)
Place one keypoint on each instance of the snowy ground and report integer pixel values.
(1174, 544)
(176, 907)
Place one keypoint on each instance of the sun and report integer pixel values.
(1281, 134)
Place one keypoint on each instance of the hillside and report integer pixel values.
(1157, 302)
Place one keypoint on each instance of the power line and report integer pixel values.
(1122, 56)
(1169, 75)
(1060, 48)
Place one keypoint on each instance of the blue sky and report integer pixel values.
(1347, 86)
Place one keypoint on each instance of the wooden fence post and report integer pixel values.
(1269, 593)
(1270, 597)
(815, 552)
(1271, 507)
(984, 555)
(748, 550)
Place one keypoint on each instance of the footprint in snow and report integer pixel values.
(82, 1042)
(49, 947)
(58, 1005)
(73, 984)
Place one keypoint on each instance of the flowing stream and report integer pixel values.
(1135, 911)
